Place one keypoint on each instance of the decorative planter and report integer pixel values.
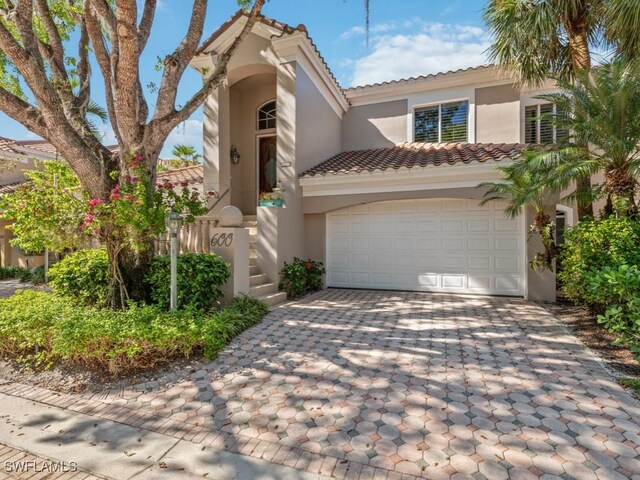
(277, 202)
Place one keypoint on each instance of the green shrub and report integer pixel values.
(617, 292)
(44, 329)
(36, 275)
(13, 272)
(301, 277)
(200, 278)
(596, 245)
(82, 276)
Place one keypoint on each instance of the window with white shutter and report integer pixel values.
(539, 125)
(444, 123)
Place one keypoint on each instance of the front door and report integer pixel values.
(268, 165)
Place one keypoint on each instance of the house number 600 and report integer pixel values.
(222, 240)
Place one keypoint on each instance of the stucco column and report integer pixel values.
(217, 144)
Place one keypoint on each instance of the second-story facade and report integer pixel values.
(380, 181)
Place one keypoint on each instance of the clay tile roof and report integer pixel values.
(193, 175)
(6, 145)
(41, 145)
(418, 78)
(11, 187)
(286, 29)
(415, 155)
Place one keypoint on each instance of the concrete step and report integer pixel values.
(264, 289)
(259, 279)
(253, 232)
(253, 244)
(254, 270)
(250, 218)
(274, 299)
(251, 224)
(253, 262)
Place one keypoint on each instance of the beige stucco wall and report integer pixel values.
(322, 204)
(377, 125)
(244, 99)
(318, 127)
(498, 114)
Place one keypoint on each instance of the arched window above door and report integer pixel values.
(267, 115)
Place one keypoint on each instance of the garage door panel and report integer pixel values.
(453, 281)
(429, 280)
(506, 244)
(440, 245)
(479, 243)
(453, 243)
(452, 225)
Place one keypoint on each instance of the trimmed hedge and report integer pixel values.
(43, 329)
(200, 278)
(82, 276)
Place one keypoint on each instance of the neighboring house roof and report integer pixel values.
(283, 27)
(11, 187)
(411, 155)
(193, 175)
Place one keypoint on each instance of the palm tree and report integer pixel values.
(186, 153)
(538, 39)
(601, 110)
(520, 188)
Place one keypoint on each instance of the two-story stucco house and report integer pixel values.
(380, 181)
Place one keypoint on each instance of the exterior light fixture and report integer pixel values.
(235, 156)
(174, 223)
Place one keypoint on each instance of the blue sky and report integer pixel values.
(408, 38)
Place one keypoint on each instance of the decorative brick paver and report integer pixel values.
(361, 384)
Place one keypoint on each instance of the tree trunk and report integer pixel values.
(621, 189)
(544, 227)
(578, 35)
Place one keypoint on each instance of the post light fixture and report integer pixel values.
(174, 223)
(235, 155)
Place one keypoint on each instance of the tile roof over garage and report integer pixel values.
(411, 155)
(11, 187)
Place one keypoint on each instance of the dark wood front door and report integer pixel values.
(268, 165)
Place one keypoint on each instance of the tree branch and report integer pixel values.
(84, 67)
(176, 63)
(125, 66)
(103, 58)
(144, 29)
(165, 124)
(22, 112)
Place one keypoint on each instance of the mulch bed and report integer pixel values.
(584, 325)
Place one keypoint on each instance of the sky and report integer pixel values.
(407, 38)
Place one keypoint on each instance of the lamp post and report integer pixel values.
(174, 222)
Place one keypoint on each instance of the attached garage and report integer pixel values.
(431, 245)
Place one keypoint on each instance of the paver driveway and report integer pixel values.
(363, 384)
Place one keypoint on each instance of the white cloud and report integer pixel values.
(352, 32)
(435, 47)
(187, 133)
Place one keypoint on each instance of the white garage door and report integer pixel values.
(434, 245)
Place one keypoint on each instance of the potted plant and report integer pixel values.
(272, 199)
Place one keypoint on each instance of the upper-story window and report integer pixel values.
(539, 125)
(444, 123)
(267, 115)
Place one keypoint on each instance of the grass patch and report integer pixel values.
(42, 329)
(632, 383)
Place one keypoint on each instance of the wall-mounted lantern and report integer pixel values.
(235, 155)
